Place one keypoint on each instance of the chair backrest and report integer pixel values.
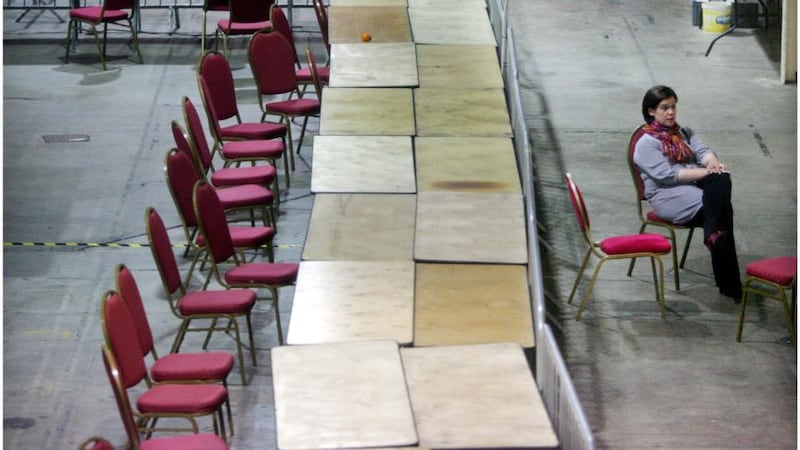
(212, 223)
(578, 205)
(322, 20)
(115, 5)
(184, 145)
(197, 136)
(636, 174)
(181, 177)
(249, 11)
(215, 5)
(281, 24)
(272, 62)
(129, 290)
(122, 339)
(161, 248)
(217, 88)
(121, 396)
(315, 77)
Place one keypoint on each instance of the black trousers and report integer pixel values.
(716, 218)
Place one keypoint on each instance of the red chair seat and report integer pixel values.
(204, 441)
(245, 195)
(304, 74)
(259, 148)
(636, 243)
(181, 398)
(779, 270)
(92, 14)
(211, 366)
(295, 107)
(245, 237)
(263, 273)
(224, 26)
(261, 175)
(253, 130)
(235, 301)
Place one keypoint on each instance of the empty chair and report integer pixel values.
(282, 26)
(265, 175)
(617, 247)
(233, 153)
(213, 226)
(204, 367)
(771, 278)
(272, 62)
(205, 441)
(650, 218)
(228, 305)
(181, 178)
(218, 91)
(114, 12)
(186, 401)
(245, 17)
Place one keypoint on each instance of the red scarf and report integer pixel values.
(674, 147)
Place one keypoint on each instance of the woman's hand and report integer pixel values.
(715, 166)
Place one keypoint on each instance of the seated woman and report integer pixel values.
(686, 184)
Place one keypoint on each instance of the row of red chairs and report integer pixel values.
(193, 385)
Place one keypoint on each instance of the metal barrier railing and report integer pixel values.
(552, 376)
(559, 395)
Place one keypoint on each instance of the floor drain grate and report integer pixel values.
(55, 138)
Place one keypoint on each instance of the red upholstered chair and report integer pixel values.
(245, 18)
(234, 153)
(204, 441)
(204, 367)
(226, 266)
(114, 12)
(218, 91)
(228, 305)
(771, 278)
(651, 246)
(265, 176)
(272, 62)
(181, 178)
(186, 401)
(649, 218)
(282, 26)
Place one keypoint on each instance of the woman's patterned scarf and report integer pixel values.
(674, 147)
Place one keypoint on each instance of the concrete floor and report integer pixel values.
(682, 382)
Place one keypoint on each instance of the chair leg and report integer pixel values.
(745, 293)
(789, 318)
(580, 276)
(228, 406)
(135, 37)
(302, 134)
(587, 295)
(252, 339)
(70, 26)
(211, 329)
(176, 344)
(658, 281)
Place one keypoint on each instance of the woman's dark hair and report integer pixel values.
(653, 97)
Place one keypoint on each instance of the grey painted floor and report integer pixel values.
(682, 382)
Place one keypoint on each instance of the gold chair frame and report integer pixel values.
(776, 292)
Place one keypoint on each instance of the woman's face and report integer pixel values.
(665, 112)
